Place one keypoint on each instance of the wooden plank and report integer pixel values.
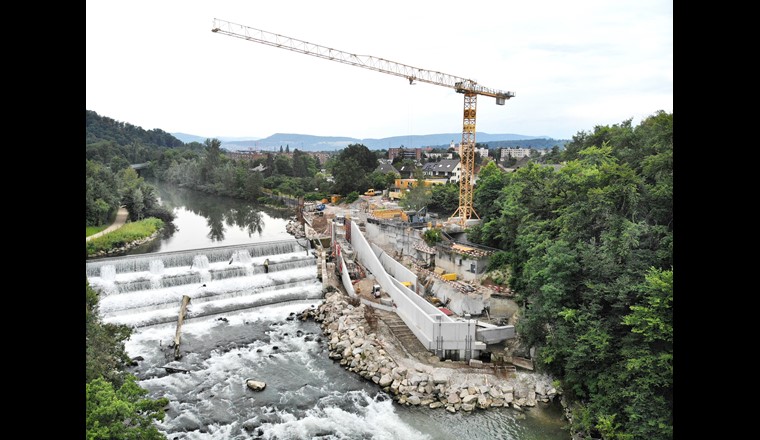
(182, 310)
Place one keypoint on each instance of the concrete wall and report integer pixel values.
(396, 269)
(492, 334)
(433, 328)
(346, 279)
(400, 239)
(403, 239)
(376, 305)
(461, 265)
(457, 302)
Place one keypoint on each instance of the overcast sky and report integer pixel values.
(573, 65)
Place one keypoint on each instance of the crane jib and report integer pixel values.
(468, 87)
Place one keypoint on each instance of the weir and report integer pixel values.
(142, 290)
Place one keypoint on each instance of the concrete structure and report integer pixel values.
(447, 337)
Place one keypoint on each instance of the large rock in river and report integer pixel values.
(255, 385)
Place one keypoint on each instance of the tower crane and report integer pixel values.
(470, 88)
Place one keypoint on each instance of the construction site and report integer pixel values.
(416, 286)
(375, 252)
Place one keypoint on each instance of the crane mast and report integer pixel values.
(471, 89)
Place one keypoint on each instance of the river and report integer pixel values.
(308, 395)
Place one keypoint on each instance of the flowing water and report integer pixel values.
(240, 325)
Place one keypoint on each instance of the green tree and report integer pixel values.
(365, 158)
(105, 355)
(303, 164)
(352, 168)
(589, 249)
(349, 177)
(418, 196)
(491, 180)
(123, 413)
(432, 236)
(102, 194)
(379, 180)
(444, 198)
(252, 187)
(283, 165)
(213, 154)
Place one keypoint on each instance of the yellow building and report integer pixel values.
(402, 185)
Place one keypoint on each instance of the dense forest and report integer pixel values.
(590, 249)
(120, 144)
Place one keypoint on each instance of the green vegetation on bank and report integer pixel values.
(116, 407)
(131, 231)
(589, 248)
(92, 230)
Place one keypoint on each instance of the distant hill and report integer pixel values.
(541, 143)
(102, 128)
(119, 144)
(329, 143)
(187, 138)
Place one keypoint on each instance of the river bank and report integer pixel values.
(372, 352)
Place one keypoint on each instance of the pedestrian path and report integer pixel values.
(121, 218)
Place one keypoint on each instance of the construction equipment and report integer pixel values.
(470, 88)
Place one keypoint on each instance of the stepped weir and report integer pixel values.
(146, 289)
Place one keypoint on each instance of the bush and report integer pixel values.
(351, 197)
(498, 260)
(123, 413)
(431, 236)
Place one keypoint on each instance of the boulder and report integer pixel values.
(470, 398)
(385, 380)
(255, 385)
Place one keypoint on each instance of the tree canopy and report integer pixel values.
(116, 406)
(590, 248)
(352, 169)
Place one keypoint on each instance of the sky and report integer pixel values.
(572, 66)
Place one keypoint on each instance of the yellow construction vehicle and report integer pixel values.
(370, 192)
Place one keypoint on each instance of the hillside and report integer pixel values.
(134, 143)
(330, 143)
(102, 128)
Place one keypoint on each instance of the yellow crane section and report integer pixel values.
(471, 89)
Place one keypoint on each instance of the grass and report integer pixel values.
(128, 233)
(92, 230)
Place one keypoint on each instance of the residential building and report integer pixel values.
(515, 153)
(450, 169)
(408, 153)
(386, 168)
